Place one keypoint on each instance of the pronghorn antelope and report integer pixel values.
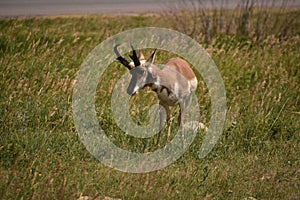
(174, 84)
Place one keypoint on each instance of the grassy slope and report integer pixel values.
(42, 157)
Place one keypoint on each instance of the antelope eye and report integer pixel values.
(140, 71)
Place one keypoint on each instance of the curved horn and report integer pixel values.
(121, 59)
(134, 57)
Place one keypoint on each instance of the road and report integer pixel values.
(11, 8)
(67, 7)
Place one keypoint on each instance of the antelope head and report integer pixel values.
(140, 69)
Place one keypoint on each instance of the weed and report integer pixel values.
(43, 158)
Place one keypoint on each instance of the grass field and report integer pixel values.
(42, 156)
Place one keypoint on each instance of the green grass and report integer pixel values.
(43, 158)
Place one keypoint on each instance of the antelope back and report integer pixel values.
(182, 67)
(185, 70)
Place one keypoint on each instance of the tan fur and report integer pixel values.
(174, 84)
(182, 67)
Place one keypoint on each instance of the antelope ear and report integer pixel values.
(152, 57)
(141, 56)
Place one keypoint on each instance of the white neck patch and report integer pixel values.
(157, 82)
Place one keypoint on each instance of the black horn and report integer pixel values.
(121, 59)
(134, 57)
